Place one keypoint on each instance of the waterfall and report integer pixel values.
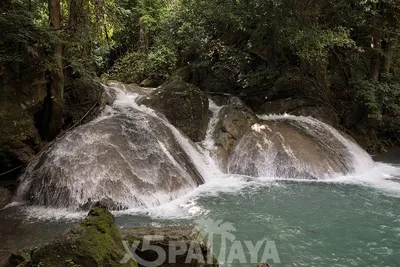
(289, 146)
(132, 157)
(128, 157)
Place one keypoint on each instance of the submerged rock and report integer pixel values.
(95, 242)
(191, 243)
(184, 105)
(234, 120)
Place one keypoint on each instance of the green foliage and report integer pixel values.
(19, 36)
(240, 47)
(137, 66)
(381, 98)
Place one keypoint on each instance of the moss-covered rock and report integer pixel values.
(184, 105)
(93, 243)
(173, 237)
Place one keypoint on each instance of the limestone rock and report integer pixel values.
(133, 153)
(184, 105)
(289, 148)
(234, 120)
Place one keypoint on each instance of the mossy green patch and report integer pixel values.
(93, 243)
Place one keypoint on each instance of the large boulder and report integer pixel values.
(184, 105)
(94, 242)
(294, 147)
(125, 159)
(184, 238)
(234, 120)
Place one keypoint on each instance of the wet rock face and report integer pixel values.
(287, 149)
(124, 160)
(234, 120)
(184, 105)
(95, 242)
(20, 99)
(167, 237)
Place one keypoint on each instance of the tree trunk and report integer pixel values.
(55, 99)
(77, 16)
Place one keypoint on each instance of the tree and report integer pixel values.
(55, 98)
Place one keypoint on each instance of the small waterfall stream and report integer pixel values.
(289, 146)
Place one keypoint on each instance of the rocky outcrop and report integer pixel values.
(23, 91)
(184, 238)
(82, 95)
(5, 197)
(234, 120)
(129, 159)
(184, 105)
(95, 242)
(292, 148)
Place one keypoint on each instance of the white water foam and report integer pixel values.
(360, 159)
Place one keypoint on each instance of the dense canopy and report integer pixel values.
(340, 54)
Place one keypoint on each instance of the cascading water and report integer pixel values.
(131, 157)
(299, 147)
(293, 180)
(128, 157)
